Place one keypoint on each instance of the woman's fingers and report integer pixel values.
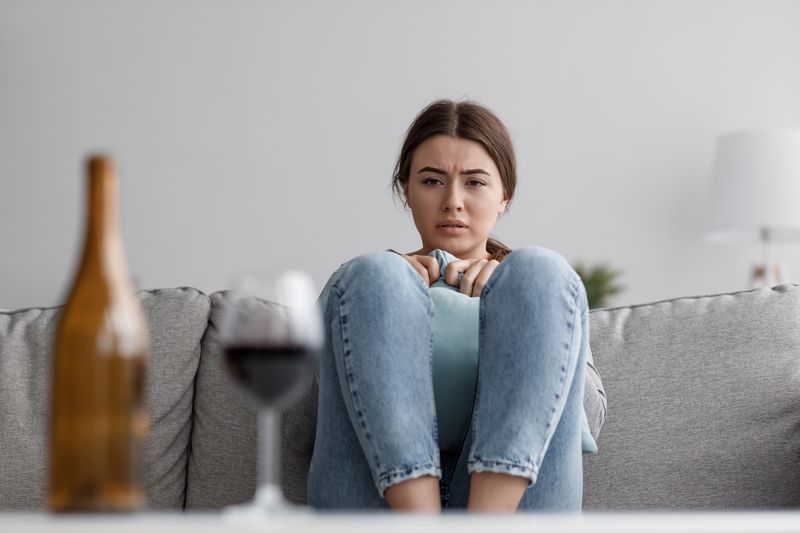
(483, 276)
(416, 265)
(432, 265)
(454, 268)
(476, 274)
(426, 266)
(469, 277)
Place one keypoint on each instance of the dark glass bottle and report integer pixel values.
(98, 419)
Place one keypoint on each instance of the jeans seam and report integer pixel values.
(473, 416)
(552, 423)
(348, 368)
(430, 369)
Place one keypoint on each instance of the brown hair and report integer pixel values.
(465, 120)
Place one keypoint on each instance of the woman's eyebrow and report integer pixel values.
(475, 171)
(439, 171)
(431, 169)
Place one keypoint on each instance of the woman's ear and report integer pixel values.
(503, 206)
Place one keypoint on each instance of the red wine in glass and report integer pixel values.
(271, 375)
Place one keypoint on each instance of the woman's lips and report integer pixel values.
(452, 230)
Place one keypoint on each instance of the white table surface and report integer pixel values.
(729, 522)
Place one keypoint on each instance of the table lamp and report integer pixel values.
(755, 194)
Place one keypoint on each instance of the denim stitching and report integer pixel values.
(430, 369)
(568, 345)
(348, 367)
(503, 462)
(531, 471)
(404, 472)
(476, 401)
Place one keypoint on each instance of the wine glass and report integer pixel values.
(271, 331)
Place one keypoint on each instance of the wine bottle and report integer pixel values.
(98, 419)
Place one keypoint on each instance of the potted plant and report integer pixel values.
(600, 281)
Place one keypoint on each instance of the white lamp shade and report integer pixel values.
(755, 186)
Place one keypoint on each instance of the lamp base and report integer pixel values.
(768, 275)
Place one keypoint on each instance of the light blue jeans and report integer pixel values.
(376, 421)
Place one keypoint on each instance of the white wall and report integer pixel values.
(251, 133)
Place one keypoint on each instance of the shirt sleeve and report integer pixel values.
(594, 397)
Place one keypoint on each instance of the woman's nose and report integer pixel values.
(453, 200)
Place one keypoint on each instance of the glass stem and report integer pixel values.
(269, 441)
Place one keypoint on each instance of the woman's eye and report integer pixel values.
(436, 181)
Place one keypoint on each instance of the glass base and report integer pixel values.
(268, 503)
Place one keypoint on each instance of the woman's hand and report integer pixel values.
(476, 274)
(426, 265)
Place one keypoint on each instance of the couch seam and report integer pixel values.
(189, 448)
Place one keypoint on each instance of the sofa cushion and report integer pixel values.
(176, 320)
(222, 464)
(703, 403)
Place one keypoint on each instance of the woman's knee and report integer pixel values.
(540, 266)
(537, 274)
(383, 268)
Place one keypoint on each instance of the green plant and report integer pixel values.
(600, 281)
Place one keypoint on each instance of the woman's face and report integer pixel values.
(454, 182)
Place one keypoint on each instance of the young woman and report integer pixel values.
(377, 441)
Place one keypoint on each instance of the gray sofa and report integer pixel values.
(703, 406)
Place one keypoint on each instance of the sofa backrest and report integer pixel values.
(703, 403)
(176, 320)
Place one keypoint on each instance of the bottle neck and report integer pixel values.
(102, 201)
(103, 243)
